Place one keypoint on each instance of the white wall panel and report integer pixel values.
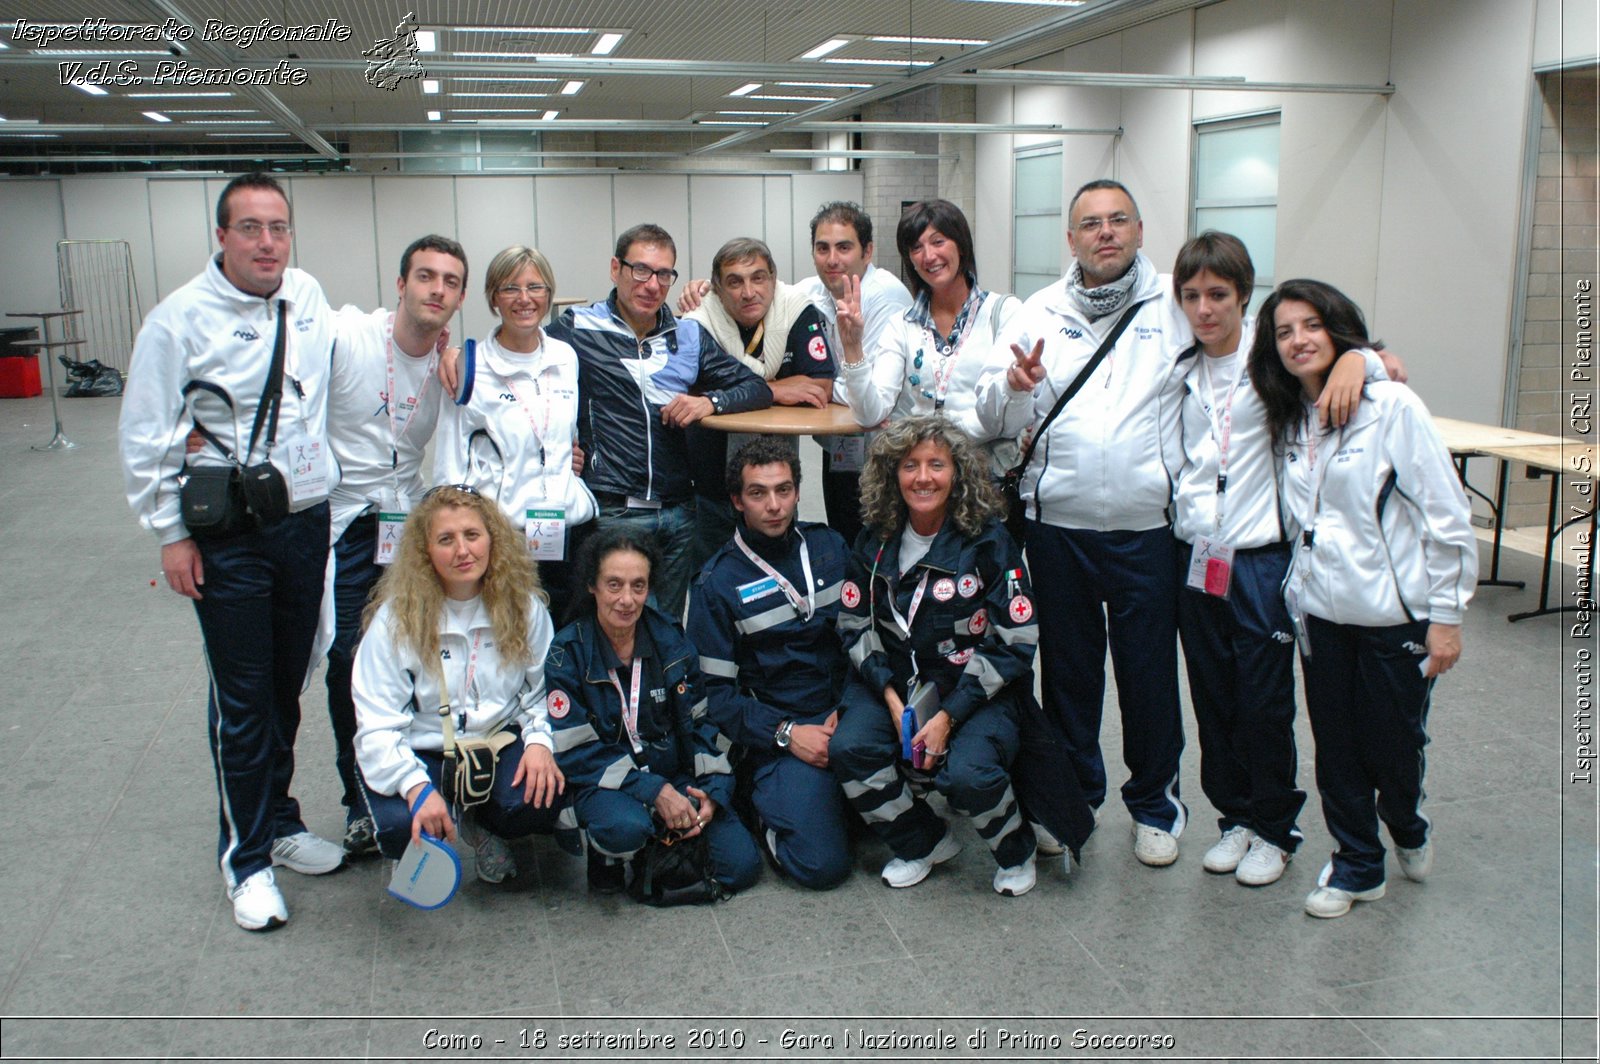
(33, 224)
(406, 208)
(777, 203)
(336, 240)
(1153, 158)
(1568, 33)
(662, 200)
(183, 233)
(720, 209)
(492, 213)
(811, 191)
(574, 223)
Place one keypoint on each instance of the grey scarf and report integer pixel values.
(1108, 298)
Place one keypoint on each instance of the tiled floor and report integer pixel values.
(112, 907)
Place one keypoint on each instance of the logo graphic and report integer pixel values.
(246, 334)
(944, 589)
(391, 61)
(558, 704)
(1020, 609)
(850, 595)
(817, 348)
(978, 622)
(960, 657)
(967, 585)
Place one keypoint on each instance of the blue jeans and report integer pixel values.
(258, 616)
(673, 529)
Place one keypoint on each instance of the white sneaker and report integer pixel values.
(1154, 847)
(307, 854)
(1047, 843)
(1328, 902)
(1262, 865)
(1228, 851)
(1015, 882)
(257, 903)
(903, 873)
(1417, 863)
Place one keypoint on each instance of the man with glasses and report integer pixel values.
(383, 404)
(202, 361)
(773, 329)
(643, 376)
(1096, 493)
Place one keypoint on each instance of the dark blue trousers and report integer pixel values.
(1122, 585)
(355, 575)
(841, 498)
(619, 827)
(802, 806)
(504, 814)
(258, 617)
(1368, 703)
(975, 778)
(1239, 653)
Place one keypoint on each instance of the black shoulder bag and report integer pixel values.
(1011, 483)
(222, 501)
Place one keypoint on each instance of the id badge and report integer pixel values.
(547, 535)
(1211, 567)
(848, 453)
(308, 466)
(389, 527)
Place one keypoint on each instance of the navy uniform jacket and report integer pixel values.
(974, 633)
(763, 663)
(585, 713)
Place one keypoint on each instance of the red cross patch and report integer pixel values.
(944, 590)
(960, 657)
(978, 622)
(967, 585)
(1020, 609)
(850, 595)
(818, 349)
(558, 704)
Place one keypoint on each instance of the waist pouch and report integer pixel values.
(212, 502)
(265, 492)
(469, 774)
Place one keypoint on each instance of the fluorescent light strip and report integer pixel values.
(606, 44)
(803, 99)
(228, 122)
(757, 112)
(92, 90)
(512, 55)
(252, 136)
(430, 86)
(211, 111)
(833, 44)
(496, 110)
(928, 40)
(520, 29)
(883, 62)
(745, 90)
(726, 122)
(503, 95)
(550, 116)
(174, 95)
(156, 116)
(544, 81)
(100, 51)
(433, 116)
(824, 84)
(427, 41)
(572, 88)
(1034, 3)
(30, 136)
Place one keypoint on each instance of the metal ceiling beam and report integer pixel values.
(568, 125)
(1153, 81)
(262, 97)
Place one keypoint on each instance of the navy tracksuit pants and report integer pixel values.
(1122, 586)
(1239, 652)
(1368, 703)
(504, 813)
(975, 778)
(258, 616)
(802, 806)
(355, 575)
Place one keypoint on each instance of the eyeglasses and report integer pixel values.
(1118, 222)
(251, 230)
(642, 273)
(465, 489)
(512, 291)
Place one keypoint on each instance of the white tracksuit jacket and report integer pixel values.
(209, 330)
(397, 694)
(1422, 556)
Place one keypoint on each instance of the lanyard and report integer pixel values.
(1309, 534)
(448, 725)
(1221, 429)
(540, 434)
(397, 429)
(949, 351)
(630, 702)
(916, 597)
(805, 605)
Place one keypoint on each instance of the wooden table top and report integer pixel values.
(1470, 437)
(1572, 457)
(41, 313)
(831, 420)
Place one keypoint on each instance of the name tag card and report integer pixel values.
(547, 535)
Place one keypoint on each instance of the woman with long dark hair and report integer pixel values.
(1384, 564)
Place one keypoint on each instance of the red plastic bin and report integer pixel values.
(19, 377)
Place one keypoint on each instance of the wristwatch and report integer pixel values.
(716, 402)
(781, 740)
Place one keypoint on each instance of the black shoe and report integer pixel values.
(605, 876)
(360, 839)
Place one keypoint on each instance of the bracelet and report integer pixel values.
(422, 796)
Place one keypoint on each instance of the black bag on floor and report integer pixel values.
(674, 873)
